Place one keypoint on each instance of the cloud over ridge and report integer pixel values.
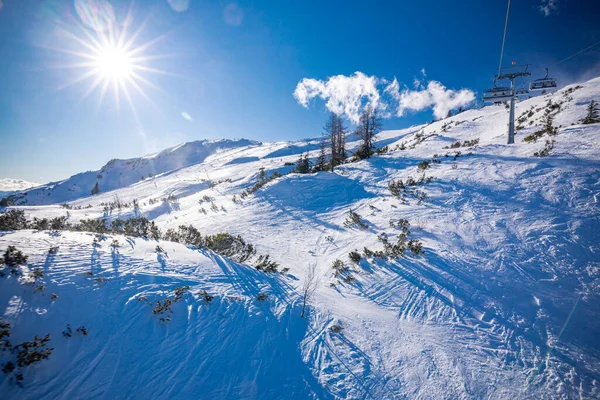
(347, 95)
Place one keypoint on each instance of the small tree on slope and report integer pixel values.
(592, 116)
(368, 126)
(95, 189)
(321, 162)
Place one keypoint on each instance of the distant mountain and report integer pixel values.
(118, 173)
(9, 185)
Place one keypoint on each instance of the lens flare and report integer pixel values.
(107, 55)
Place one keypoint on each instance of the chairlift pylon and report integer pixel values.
(543, 83)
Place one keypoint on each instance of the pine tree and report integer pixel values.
(303, 164)
(449, 114)
(548, 124)
(321, 164)
(96, 189)
(261, 175)
(592, 116)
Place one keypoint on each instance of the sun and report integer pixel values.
(114, 63)
(108, 58)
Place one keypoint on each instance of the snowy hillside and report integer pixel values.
(8, 185)
(502, 304)
(121, 173)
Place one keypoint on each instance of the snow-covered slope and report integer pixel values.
(503, 303)
(9, 185)
(121, 173)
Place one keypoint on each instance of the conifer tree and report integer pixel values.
(95, 189)
(321, 164)
(592, 116)
(303, 164)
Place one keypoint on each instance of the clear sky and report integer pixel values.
(223, 69)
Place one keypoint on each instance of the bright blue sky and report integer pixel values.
(233, 68)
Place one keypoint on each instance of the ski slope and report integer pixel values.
(503, 303)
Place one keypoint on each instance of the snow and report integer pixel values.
(503, 304)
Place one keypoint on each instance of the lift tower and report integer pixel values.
(511, 122)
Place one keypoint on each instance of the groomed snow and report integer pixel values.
(503, 304)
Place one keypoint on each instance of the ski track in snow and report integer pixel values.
(512, 253)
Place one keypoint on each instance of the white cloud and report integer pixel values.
(347, 95)
(549, 7)
(186, 116)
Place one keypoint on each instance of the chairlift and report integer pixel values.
(497, 94)
(543, 83)
(522, 92)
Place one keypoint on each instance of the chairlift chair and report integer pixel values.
(497, 94)
(543, 83)
(522, 92)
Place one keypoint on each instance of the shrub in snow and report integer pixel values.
(368, 253)
(354, 256)
(4, 333)
(40, 224)
(262, 297)
(423, 165)
(354, 220)
(8, 368)
(545, 152)
(33, 352)
(266, 265)
(336, 328)
(13, 257)
(260, 184)
(416, 246)
(83, 330)
(165, 305)
(68, 332)
(13, 220)
(230, 246)
(206, 296)
(37, 273)
(40, 288)
(205, 199)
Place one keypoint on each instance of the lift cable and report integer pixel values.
(504, 38)
(575, 54)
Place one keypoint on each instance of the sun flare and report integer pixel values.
(109, 60)
(113, 62)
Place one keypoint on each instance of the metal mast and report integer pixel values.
(511, 121)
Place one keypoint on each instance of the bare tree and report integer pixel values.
(368, 126)
(309, 286)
